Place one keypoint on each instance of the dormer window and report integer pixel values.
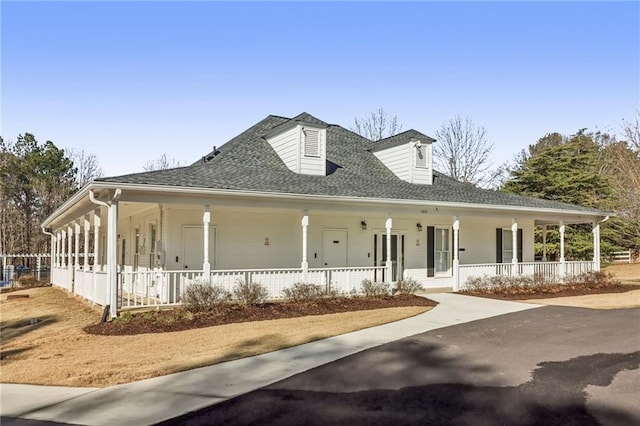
(311, 142)
(421, 156)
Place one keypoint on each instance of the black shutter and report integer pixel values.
(431, 251)
(498, 245)
(519, 245)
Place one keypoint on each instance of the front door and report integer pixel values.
(193, 243)
(397, 253)
(334, 249)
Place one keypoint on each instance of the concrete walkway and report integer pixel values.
(153, 400)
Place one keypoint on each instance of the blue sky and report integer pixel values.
(130, 81)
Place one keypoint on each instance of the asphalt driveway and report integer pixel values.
(546, 366)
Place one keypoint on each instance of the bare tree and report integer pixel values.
(161, 163)
(377, 125)
(86, 165)
(631, 130)
(463, 152)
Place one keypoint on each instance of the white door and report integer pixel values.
(442, 252)
(193, 244)
(334, 249)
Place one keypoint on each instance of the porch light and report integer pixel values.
(266, 241)
(419, 226)
(363, 225)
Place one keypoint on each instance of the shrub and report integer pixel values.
(201, 296)
(250, 293)
(27, 281)
(375, 289)
(124, 318)
(408, 286)
(594, 279)
(300, 292)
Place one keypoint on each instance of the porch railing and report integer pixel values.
(156, 288)
(549, 271)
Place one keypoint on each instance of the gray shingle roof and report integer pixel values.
(248, 163)
(400, 139)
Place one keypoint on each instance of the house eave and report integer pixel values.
(83, 194)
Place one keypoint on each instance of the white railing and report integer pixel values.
(549, 271)
(62, 277)
(155, 288)
(346, 280)
(100, 288)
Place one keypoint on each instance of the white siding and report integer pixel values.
(286, 146)
(289, 145)
(314, 165)
(401, 160)
(398, 160)
(478, 238)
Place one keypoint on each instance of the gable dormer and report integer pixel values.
(301, 143)
(408, 155)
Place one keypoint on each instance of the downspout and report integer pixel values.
(44, 231)
(112, 224)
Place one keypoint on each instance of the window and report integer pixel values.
(311, 143)
(421, 157)
(507, 245)
(504, 245)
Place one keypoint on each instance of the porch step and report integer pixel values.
(429, 290)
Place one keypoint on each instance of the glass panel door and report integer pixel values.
(442, 251)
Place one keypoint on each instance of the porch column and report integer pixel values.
(69, 247)
(87, 229)
(96, 251)
(389, 263)
(596, 246)
(562, 266)
(112, 256)
(456, 253)
(76, 263)
(305, 264)
(514, 239)
(57, 251)
(544, 243)
(63, 249)
(206, 219)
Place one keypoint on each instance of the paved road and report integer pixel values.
(547, 366)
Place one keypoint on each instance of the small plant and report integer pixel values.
(301, 292)
(249, 293)
(124, 318)
(148, 315)
(201, 296)
(375, 289)
(408, 286)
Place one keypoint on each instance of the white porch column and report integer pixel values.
(63, 248)
(514, 239)
(305, 264)
(456, 253)
(596, 246)
(87, 229)
(57, 257)
(76, 263)
(544, 243)
(562, 260)
(389, 263)
(206, 219)
(112, 256)
(69, 247)
(96, 251)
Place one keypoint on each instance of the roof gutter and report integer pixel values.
(115, 198)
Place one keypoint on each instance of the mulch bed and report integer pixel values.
(554, 291)
(179, 319)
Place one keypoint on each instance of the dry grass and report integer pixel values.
(627, 273)
(56, 351)
(629, 299)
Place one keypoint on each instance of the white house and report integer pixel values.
(297, 199)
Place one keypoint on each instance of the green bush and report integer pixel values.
(300, 292)
(250, 293)
(375, 289)
(408, 286)
(201, 296)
